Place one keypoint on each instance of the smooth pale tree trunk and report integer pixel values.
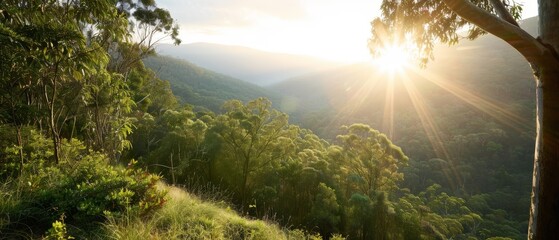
(544, 209)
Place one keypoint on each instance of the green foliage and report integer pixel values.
(66, 63)
(371, 160)
(181, 148)
(150, 94)
(35, 148)
(107, 101)
(325, 211)
(441, 215)
(85, 189)
(58, 231)
(253, 138)
(253, 152)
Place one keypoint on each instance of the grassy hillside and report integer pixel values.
(201, 87)
(185, 216)
(76, 200)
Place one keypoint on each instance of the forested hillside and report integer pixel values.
(201, 87)
(470, 131)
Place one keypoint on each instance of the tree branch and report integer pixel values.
(535, 52)
(502, 11)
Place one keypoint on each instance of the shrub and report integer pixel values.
(84, 190)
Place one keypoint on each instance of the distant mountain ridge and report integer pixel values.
(469, 65)
(255, 66)
(201, 87)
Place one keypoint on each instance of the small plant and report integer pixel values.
(58, 230)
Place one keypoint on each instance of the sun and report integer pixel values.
(392, 58)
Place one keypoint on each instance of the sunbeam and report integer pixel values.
(431, 130)
(388, 113)
(491, 108)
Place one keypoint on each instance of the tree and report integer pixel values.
(325, 210)
(55, 53)
(425, 22)
(180, 146)
(48, 36)
(439, 215)
(253, 136)
(371, 159)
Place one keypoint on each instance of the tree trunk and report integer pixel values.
(20, 146)
(55, 137)
(52, 122)
(544, 208)
(245, 181)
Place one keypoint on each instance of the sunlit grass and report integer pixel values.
(185, 216)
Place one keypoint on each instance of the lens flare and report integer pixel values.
(392, 59)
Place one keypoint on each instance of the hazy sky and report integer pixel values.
(330, 29)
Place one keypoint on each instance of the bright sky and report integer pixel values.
(330, 29)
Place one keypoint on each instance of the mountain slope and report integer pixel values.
(487, 67)
(255, 66)
(201, 87)
(466, 121)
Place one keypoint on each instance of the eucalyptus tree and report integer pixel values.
(370, 168)
(58, 59)
(439, 215)
(252, 136)
(424, 23)
(181, 148)
(49, 35)
(371, 158)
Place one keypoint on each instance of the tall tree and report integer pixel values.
(55, 53)
(253, 136)
(370, 157)
(48, 35)
(428, 21)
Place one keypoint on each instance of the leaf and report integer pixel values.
(77, 75)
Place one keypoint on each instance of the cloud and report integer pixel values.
(231, 13)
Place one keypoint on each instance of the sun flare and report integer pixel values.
(392, 58)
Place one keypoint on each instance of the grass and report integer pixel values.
(185, 216)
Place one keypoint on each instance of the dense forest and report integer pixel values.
(92, 141)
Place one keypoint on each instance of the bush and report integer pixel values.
(86, 191)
